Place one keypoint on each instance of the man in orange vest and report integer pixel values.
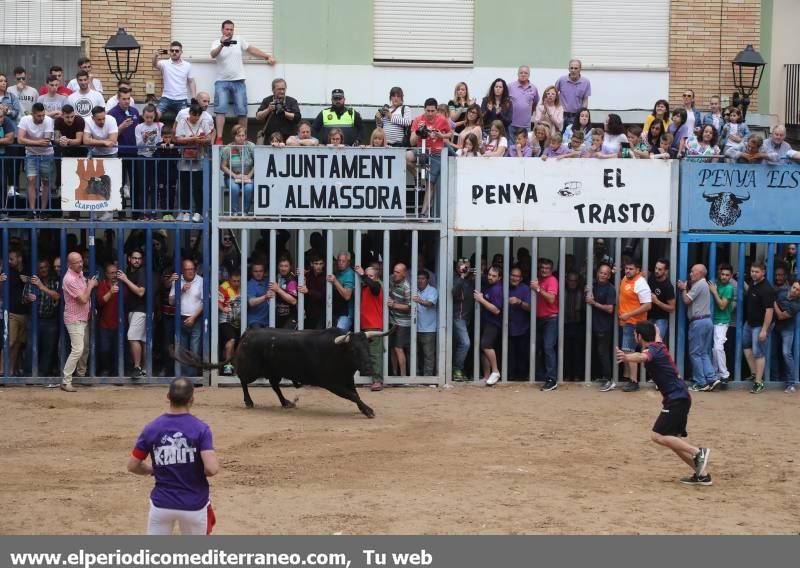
(372, 319)
(635, 300)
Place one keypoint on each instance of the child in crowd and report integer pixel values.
(541, 132)
(496, 142)
(575, 147)
(595, 148)
(734, 132)
(276, 140)
(555, 148)
(636, 147)
(335, 138)
(148, 137)
(521, 148)
(663, 148)
(444, 110)
(751, 152)
(167, 155)
(378, 138)
(680, 133)
(470, 148)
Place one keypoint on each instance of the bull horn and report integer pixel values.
(741, 199)
(342, 339)
(711, 195)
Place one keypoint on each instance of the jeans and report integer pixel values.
(48, 341)
(426, 341)
(172, 106)
(663, 328)
(519, 355)
(546, 340)
(701, 341)
(191, 340)
(719, 355)
(106, 352)
(345, 323)
(787, 344)
(750, 340)
(229, 94)
(236, 196)
(461, 343)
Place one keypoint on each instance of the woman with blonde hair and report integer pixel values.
(378, 138)
(550, 111)
(459, 105)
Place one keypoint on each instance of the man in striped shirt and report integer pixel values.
(77, 304)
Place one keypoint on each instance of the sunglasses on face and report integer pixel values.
(174, 50)
(21, 78)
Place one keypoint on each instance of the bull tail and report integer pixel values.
(190, 359)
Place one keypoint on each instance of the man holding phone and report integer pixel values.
(697, 296)
(136, 302)
(178, 78)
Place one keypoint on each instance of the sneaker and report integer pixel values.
(549, 385)
(126, 191)
(12, 192)
(458, 376)
(493, 378)
(713, 385)
(376, 386)
(701, 461)
(183, 217)
(67, 387)
(608, 386)
(227, 370)
(168, 217)
(697, 388)
(137, 373)
(196, 218)
(142, 373)
(757, 388)
(791, 389)
(631, 387)
(218, 141)
(697, 479)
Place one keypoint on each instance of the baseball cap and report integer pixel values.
(337, 93)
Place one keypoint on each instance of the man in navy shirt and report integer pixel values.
(182, 456)
(670, 426)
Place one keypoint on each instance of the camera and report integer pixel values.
(385, 110)
(280, 106)
(422, 130)
(229, 42)
(163, 51)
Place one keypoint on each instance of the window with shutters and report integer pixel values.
(41, 22)
(197, 23)
(621, 34)
(424, 31)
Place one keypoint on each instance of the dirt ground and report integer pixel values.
(463, 460)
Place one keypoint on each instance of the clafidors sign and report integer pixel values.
(349, 182)
(528, 194)
(91, 184)
(739, 197)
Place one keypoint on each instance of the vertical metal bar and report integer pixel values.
(771, 278)
(476, 335)
(357, 284)
(534, 302)
(244, 239)
(562, 269)
(506, 289)
(617, 277)
(92, 371)
(680, 307)
(177, 267)
(445, 304)
(646, 265)
(273, 275)
(712, 273)
(328, 288)
(7, 303)
(740, 313)
(149, 296)
(387, 286)
(415, 268)
(120, 238)
(590, 268)
(62, 343)
(210, 316)
(301, 278)
(673, 317)
(34, 333)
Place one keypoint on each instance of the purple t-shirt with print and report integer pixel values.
(494, 293)
(519, 321)
(174, 443)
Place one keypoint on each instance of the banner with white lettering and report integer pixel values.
(91, 184)
(341, 182)
(524, 194)
(739, 197)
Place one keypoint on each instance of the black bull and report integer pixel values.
(325, 358)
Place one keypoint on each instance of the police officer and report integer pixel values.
(338, 116)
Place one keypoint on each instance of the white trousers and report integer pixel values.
(162, 521)
(719, 359)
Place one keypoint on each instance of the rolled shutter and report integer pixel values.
(41, 22)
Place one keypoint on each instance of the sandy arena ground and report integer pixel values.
(466, 460)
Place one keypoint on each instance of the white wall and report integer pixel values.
(785, 49)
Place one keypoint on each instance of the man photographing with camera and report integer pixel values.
(230, 92)
(429, 131)
(279, 112)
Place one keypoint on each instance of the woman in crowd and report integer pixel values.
(496, 105)
(660, 112)
(613, 137)
(582, 123)
(550, 111)
(679, 131)
(704, 147)
(652, 136)
(10, 100)
(459, 106)
(237, 162)
(473, 124)
(335, 138)
(195, 135)
(394, 118)
(378, 138)
(470, 148)
(497, 143)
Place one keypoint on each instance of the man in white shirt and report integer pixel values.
(85, 64)
(84, 99)
(35, 132)
(26, 95)
(179, 84)
(114, 100)
(52, 100)
(230, 92)
(191, 297)
(777, 149)
(101, 132)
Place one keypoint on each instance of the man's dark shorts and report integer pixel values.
(228, 332)
(490, 336)
(673, 418)
(401, 337)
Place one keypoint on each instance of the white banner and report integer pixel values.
(91, 184)
(342, 182)
(528, 194)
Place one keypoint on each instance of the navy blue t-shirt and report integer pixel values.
(662, 368)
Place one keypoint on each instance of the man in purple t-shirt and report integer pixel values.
(573, 91)
(491, 323)
(519, 325)
(524, 97)
(670, 427)
(182, 453)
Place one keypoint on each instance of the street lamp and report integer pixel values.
(748, 68)
(125, 51)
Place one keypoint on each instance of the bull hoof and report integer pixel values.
(249, 403)
(289, 405)
(368, 412)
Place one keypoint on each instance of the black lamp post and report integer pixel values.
(748, 68)
(125, 59)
